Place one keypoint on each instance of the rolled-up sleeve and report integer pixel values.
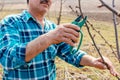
(74, 59)
(12, 51)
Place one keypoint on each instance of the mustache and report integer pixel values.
(43, 1)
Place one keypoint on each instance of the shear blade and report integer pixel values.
(80, 24)
(78, 18)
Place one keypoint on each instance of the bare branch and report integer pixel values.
(116, 32)
(60, 12)
(116, 12)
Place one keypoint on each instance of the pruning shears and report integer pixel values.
(79, 21)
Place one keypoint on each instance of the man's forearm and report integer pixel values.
(36, 46)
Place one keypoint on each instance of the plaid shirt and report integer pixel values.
(15, 33)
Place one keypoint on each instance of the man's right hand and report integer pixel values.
(67, 33)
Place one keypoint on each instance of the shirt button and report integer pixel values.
(25, 66)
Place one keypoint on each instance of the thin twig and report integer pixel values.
(103, 38)
(75, 12)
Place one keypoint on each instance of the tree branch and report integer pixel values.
(116, 12)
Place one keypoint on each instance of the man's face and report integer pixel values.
(40, 5)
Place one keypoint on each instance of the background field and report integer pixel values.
(101, 18)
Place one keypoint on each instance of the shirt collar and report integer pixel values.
(27, 16)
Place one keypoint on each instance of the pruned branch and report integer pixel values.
(116, 12)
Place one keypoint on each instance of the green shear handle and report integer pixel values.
(79, 22)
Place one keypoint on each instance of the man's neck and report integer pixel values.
(39, 17)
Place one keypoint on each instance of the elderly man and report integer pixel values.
(29, 44)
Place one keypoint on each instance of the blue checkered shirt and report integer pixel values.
(15, 33)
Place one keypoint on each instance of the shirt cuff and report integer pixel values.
(79, 56)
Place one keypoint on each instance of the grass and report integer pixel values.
(107, 30)
(7, 12)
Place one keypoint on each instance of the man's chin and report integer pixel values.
(45, 10)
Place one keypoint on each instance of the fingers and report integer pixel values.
(68, 41)
(73, 38)
(72, 26)
(114, 72)
(72, 31)
(68, 33)
(111, 68)
(106, 65)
